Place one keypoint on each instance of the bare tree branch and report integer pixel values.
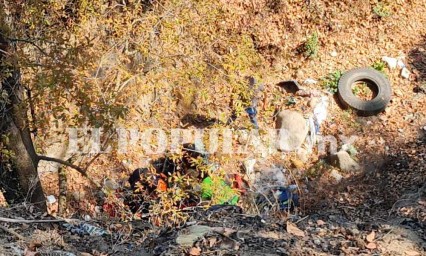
(75, 167)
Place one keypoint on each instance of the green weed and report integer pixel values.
(331, 81)
(381, 10)
(379, 66)
(311, 46)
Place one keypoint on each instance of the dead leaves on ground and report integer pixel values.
(294, 230)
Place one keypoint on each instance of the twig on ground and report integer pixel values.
(12, 232)
(302, 219)
(29, 221)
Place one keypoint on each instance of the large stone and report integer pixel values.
(189, 236)
(344, 161)
(292, 130)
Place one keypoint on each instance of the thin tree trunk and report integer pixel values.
(62, 201)
(16, 127)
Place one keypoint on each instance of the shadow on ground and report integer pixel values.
(417, 60)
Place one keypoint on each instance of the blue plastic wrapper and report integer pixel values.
(252, 113)
(287, 199)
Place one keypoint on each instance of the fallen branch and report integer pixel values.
(3, 219)
(12, 232)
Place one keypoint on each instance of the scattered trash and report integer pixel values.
(252, 113)
(51, 199)
(251, 110)
(392, 62)
(375, 79)
(290, 86)
(83, 229)
(320, 113)
(400, 63)
(239, 184)
(291, 101)
(287, 198)
(219, 191)
(310, 81)
(343, 160)
(405, 73)
(397, 62)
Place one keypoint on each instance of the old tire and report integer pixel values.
(377, 82)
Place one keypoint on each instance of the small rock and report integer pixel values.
(333, 243)
(310, 81)
(299, 73)
(343, 160)
(405, 73)
(110, 184)
(189, 236)
(333, 54)
(355, 231)
(336, 175)
(303, 155)
(320, 222)
(317, 241)
(292, 130)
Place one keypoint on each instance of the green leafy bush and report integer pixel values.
(331, 81)
(311, 46)
(381, 10)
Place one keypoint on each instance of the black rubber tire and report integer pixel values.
(374, 78)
